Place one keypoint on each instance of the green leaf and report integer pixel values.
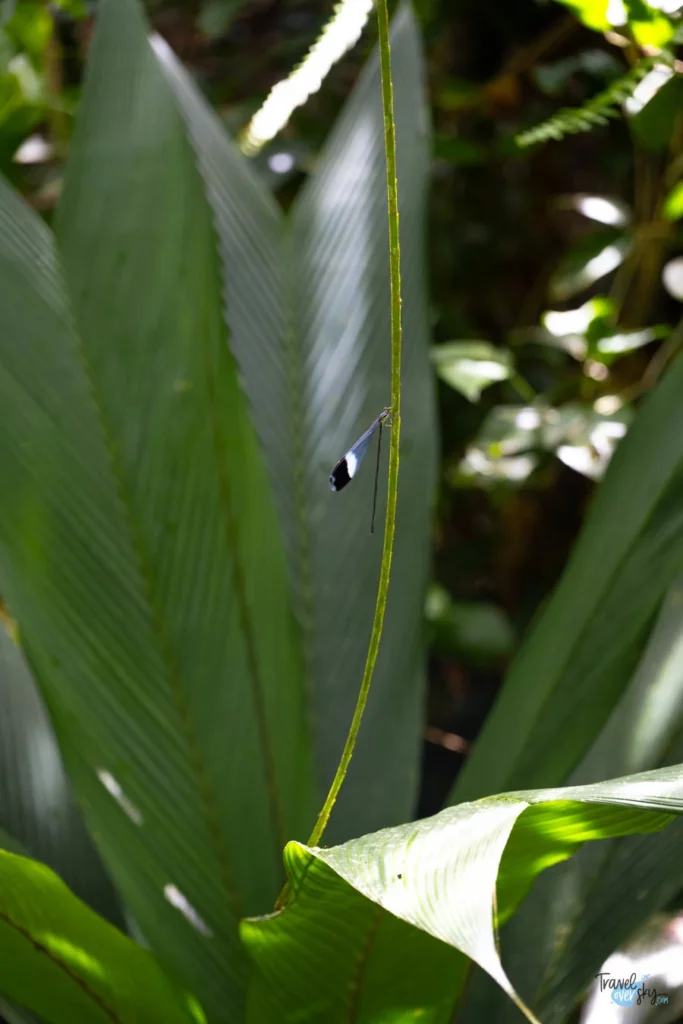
(59, 958)
(649, 26)
(653, 113)
(579, 657)
(619, 342)
(308, 310)
(37, 807)
(673, 207)
(471, 366)
(443, 876)
(139, 545)
(592, 13)
(644, 730)
(590, 260)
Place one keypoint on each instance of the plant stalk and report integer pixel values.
(392, 490)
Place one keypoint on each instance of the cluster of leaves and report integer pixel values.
(178, 361)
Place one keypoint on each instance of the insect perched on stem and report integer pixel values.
(345, 470)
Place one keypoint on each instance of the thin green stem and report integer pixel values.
(392, 493)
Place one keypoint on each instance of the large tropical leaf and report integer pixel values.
(59, 958)
(355, 908)
(37, 807)
(580, 655)
(589, 907)
(308, 309)
(139, 545)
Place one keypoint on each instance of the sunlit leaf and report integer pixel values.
(627, 341)
(592, 13)
(591, 260)
(588, 907)
(471, 366)
(59, 958)
(360, 904)
(649, 26)
(603, 209)
(673, 207)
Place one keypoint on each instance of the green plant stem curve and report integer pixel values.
(392, 490)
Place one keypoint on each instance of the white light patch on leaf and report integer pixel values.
(605, 435)
(648, 88)
(471, 366)
(582, 459)
(181, 903)
(602, 210)
(34, 150)
(514, 468)
(607, 405)
(563, 322)
(528, 418)
(672, 276)
(604, 263)
(616, 13)
(112, 786)
(616, 343)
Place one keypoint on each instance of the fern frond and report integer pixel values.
(597, 111)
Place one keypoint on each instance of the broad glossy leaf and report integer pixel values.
(308, 310)
(59, 958)
(139, 545)
(579, 657)
(593, 904)
(441, 876)
(37, 807)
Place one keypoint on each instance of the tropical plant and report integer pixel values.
(179, 364)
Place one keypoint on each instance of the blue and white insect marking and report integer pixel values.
(345, 470)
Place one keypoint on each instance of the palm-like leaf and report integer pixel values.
(308, 309)
(139, 547)
(37, 807)
(63, 961)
